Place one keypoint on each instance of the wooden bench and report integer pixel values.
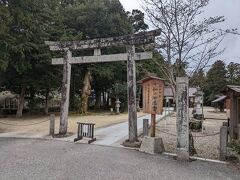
(85, 130)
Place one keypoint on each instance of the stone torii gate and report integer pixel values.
(96, 44)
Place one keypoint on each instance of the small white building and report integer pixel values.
(8, 101)
(169, 94)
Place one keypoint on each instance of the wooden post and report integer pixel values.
(52, 124)
(233, 116)
(153, 125)
(9, 103)
(238, 132)
(131, 79)
(65, 92)
(4, 104)
(145, 127)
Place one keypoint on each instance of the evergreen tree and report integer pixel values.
(215, 81)
(95, 19)
(233, 73)
(28, 57)
(137, 20)
(198, 79)
(25, 61)
(5, 20)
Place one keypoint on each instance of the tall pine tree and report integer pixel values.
(215, 80)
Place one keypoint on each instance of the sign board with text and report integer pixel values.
(153, 89)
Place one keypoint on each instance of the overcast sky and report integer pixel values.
(228, 8)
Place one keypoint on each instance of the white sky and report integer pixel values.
(228, 8)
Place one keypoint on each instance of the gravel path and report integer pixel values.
(113, 134)
(206, 143)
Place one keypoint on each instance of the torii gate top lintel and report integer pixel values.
(133, 39)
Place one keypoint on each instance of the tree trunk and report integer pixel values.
(32, 100)
(98, 100)
(107, 101)
(21, 101)
(173, 88)
(72, 103)
(86, 92)
(46, 107)
(104, 99)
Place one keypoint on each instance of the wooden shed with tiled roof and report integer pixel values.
(233, 94)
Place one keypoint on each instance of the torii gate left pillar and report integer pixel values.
(64, 107)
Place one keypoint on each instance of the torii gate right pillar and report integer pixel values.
(131, 82)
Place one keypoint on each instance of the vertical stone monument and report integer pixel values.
(182, 118)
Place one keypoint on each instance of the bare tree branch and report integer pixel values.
(185, 40)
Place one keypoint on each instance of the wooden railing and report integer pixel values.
(85, 130)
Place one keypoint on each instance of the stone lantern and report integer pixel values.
(117, 105)
(198, 111)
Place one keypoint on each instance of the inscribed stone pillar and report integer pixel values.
(52, 124)
(131, 81)
(182, 118)
(223, 142)
(65, 92)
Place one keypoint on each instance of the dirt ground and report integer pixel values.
(40, 124)
(206, 143)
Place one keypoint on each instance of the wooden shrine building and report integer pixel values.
(233, 94)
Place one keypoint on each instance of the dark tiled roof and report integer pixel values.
(192, 91)
(148, 78)
(234, 88)
(168, 91)
(7, 94)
